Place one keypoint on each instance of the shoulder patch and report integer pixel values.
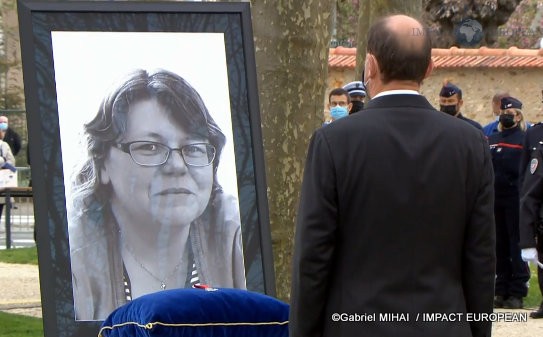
(533, 165)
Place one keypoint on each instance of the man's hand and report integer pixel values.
(530, 255)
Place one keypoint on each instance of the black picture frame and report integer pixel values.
(38, 19)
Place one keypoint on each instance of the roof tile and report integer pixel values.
(483, 57)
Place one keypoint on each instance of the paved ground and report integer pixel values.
(20, 294)
(20, 289)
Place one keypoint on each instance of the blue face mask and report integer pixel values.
(338, 112)
(3, 126)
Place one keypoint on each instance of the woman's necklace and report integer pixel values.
(161, 281)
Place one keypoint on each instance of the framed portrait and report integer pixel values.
(146, 151)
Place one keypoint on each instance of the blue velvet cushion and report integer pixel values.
(199, 313)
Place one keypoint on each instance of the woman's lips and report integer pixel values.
(174, 191)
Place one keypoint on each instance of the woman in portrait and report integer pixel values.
(147, 211)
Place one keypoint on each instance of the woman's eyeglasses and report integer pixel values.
(147, 153)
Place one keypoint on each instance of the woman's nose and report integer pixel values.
(175, 163)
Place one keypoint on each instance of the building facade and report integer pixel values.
(478, 72)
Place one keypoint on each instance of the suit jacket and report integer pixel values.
(395, 216)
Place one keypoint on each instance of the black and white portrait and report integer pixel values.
(149, 165)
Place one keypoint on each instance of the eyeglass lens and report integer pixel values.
(150, 153)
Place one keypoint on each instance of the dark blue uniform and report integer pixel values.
(471, 121)
(531, 202)
(512, 273)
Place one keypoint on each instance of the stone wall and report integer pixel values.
(478, 86)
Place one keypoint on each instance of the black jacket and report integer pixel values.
(532, 137)
(14, 141)
(470, 121)
(395, 216)
(506, 149)
(531, 195)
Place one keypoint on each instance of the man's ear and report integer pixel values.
(460, 102)
(372, 68)
(429, 69)
(350, 106)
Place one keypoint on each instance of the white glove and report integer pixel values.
(530, 255)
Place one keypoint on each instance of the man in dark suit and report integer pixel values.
(396, 221)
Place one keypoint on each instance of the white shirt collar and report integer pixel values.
(396, 92)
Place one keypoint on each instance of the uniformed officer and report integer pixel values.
(450, 102)
(531, 201)
(357, 93)
(512, 272)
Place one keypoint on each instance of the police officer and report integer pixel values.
(357, 93)
(531, 210)
(512, 272)
(450, 102)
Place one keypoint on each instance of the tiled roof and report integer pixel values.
(454, 57)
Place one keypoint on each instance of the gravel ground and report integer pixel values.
(20, 289)
(20, 294)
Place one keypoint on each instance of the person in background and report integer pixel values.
(492, 127)
(506, 149)
(9, 136)
(450, 102)
(531, 216)
(357, 93)
(396, 208)
(339, 104)
(531, 204)
(7, 161)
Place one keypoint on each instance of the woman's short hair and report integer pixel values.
(184, 105)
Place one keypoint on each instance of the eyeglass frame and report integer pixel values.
(125, 147)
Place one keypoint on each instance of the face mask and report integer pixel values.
(338, 112)
(448, 109)
(357, 106)
(3, 126)
(507, 120)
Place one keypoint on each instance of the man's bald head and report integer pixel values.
(402, 48)
(499, 95)
(496, 100)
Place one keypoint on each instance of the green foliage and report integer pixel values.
(20, 326)
(19, 255)
(534, 295)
